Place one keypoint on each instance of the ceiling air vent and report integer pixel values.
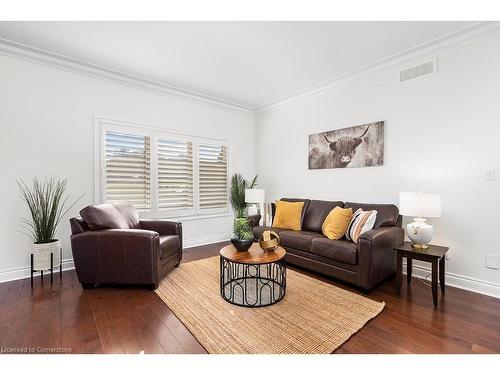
(418, 71)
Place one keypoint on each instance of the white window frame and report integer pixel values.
(103, 125)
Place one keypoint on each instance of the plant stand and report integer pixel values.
(51, 268)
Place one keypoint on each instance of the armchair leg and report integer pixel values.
(88, 285)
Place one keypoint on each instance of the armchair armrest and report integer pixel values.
(117, 256)
(162, 227)
(376, 260)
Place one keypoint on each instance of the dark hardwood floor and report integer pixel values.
(130, 320)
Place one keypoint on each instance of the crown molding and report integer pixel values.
(28, 53)
(454, 39)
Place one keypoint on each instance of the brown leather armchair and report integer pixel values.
(111, 245)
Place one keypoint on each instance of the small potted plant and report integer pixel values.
(47, 204)
(243, 236)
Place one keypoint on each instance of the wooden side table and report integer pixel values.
(434, 255)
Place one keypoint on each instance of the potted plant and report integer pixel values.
(47, 204)
(243, 237)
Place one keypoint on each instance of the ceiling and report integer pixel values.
(250, 64)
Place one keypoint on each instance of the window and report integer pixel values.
(163, 174)
(212, 160)
(128, 169)
(175, 174)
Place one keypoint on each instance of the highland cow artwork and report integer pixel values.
(357, 146)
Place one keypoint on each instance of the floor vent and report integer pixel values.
(418, 71)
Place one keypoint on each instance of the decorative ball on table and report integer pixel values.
(269, 241)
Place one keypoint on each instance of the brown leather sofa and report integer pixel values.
(364, 264)
(111, 245)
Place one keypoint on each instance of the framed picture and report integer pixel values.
(357, 146)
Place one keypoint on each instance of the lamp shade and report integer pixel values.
(419, 204)
(255, 195)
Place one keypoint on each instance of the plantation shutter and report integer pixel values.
(175, 174)
(128, 169)
(212, 171)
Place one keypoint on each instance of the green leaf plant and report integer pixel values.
(48, 204)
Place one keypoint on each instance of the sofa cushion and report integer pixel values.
(257, 231)
(304, 210)
(116, 215)
(387, 214)
(340, 250)
(361, 222)
(288, 215)
(336, 223)
(300, 240)
(169, 246)
(316, 213)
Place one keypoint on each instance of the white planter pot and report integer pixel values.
(41, 255)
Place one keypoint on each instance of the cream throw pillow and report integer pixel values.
(361, 222)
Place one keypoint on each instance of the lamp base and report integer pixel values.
(420, 233)
(419, 246)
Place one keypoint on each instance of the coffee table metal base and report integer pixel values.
(252, 285)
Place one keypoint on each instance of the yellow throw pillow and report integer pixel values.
(288, 215)
(336, 223)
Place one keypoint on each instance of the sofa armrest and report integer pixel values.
(253, 220)
(376, 259)
(384, 236)
(117, 256)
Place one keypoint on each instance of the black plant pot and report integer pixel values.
(241, 245)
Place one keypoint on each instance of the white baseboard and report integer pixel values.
(460, 281)
(23, 273)
(207, 240)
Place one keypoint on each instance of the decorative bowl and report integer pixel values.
(271, 244)
(241, 245)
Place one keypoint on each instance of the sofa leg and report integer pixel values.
(152, 286)
(88, 285)
(364, 291)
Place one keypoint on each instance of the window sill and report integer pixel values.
(194, 217)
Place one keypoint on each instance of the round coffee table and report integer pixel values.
(252, 278)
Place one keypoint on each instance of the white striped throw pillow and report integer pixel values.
(361, 222)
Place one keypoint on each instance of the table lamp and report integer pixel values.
(420, 206)
(255, 196)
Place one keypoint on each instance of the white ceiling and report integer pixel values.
(247, 63)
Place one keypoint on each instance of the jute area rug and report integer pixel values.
(313, 318)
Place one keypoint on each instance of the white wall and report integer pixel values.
(441, 132)
(46, 121)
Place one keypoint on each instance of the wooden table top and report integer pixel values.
(432, 251)
(254, 255)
